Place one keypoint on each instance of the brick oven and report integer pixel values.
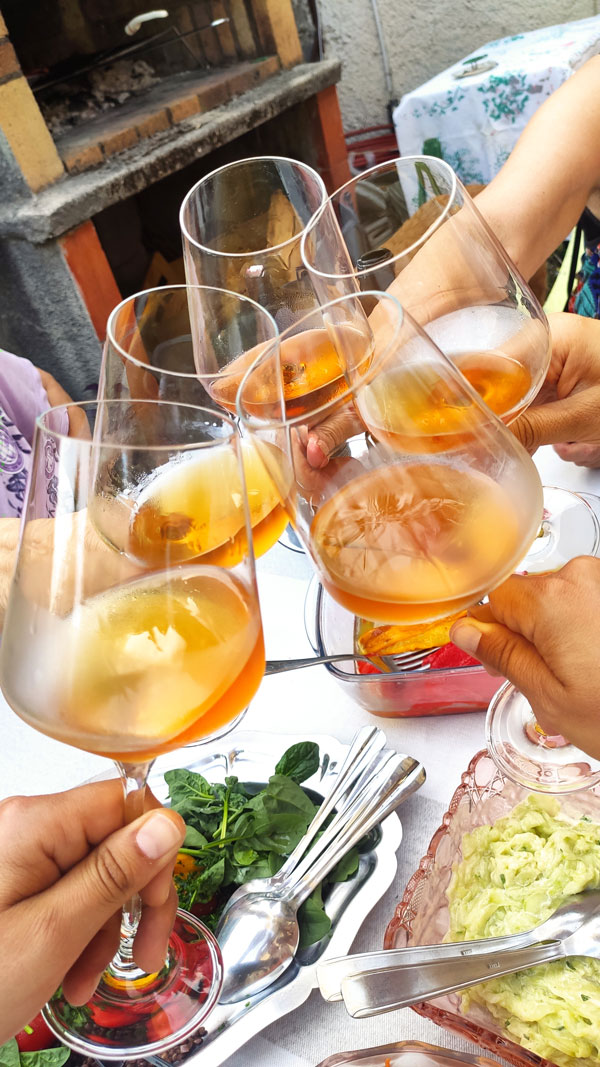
(109, 111)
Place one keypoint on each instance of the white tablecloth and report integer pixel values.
(310, 700)
(477, 119)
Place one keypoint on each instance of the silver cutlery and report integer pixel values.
(564, 921)
(404, 661)
(387, 989)
(259, 934)
(366, 744)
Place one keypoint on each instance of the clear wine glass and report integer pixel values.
(432, 508)
(409, 226)
(242, 225)
(190, 344)
(155, 651)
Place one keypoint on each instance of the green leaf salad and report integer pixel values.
(512, 876)
(235, 834)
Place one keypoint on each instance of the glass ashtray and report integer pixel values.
(422, 917)
(406, 1054)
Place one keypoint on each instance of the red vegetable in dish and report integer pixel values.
(36, 1036)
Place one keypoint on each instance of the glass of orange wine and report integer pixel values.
(174, 343)
(409, 226)
(433, 507)
(155, 652)
(241, 227)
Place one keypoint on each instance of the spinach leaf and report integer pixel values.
(9, 1054)
(345, 868)
(300, 761)
(46, 1057)
(314, 923)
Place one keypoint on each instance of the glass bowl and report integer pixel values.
(421, 917)
(406, 1054)
(400, 694)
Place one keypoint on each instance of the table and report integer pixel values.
(477, 108)
(32, 763)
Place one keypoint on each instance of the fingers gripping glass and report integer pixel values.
(156, 651)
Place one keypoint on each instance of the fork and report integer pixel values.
(404, 661)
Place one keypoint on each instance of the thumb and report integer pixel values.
(328, 435)
(507, 654)
(80, 903)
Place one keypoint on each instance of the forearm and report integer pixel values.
(540, 192)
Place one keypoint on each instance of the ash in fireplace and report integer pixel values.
(80, 99)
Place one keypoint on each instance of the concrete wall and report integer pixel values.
(423, 38)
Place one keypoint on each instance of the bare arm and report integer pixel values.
(537, 197)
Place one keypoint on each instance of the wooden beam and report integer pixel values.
(331, 143)
(277, 30)
(87, 262)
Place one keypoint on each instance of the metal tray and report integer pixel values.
(252, 757)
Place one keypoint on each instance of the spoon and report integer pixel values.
(374, 992)
(366, 745)
(564, 921)
(258, 936)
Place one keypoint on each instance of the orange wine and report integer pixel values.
(145, 667)
(503, 383)
(418, 408)
(414, 543)
(309, 373)
(501, 351)
(195, 508)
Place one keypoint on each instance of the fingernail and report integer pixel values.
(315, 453)
(157, 836)
(466, 635)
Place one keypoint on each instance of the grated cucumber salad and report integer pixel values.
(512, 876)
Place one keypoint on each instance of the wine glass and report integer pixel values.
(433, 507)
(175, 343)
(155, 651)
(242, 225)
(410, 226)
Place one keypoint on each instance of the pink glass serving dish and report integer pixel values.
(422, 917)
(400, 694)
(406, 1054)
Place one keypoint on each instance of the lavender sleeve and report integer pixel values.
(22, 399)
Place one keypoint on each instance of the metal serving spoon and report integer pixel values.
(564, 921)
(372, 993)
(259, 935)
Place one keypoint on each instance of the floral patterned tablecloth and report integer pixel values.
(475, 111)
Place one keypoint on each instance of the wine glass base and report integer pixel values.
(569, 528)
(545, 765)
(130, 1017)
(289, 539)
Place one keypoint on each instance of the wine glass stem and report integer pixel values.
(133, 777)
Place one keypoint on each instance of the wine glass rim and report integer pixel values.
(455, 184)
(192, 375)
(238, 163)
(58, 435)
(292, 331)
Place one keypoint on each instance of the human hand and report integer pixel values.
(68, 866)
(569, 410)
(540, 633)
